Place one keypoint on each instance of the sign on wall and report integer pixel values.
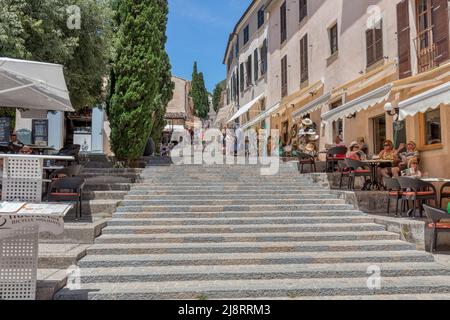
(5, 130)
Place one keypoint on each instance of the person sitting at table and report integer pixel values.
(25, 150)
(387, 154)
(355, 152)
(338, 142)
(406, 154)
(15, 145)
(363, 146)
(413, 169)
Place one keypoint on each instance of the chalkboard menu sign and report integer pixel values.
(40, 131)
(5, 131)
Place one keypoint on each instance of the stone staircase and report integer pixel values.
(226, 232)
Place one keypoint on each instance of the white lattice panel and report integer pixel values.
(22, 179)
(18, 264)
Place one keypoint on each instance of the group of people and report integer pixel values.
(16, 146)
(404, 161)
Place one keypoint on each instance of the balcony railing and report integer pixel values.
(427, 51)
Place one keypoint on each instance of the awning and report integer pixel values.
(245, 108)
(262, 116)
(33, 85)
(312, 106)
(362, 103)
(423, 102)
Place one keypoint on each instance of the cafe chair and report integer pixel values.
(417, 191)
(70, 172)
(445, 194)
(72, 150)
(67, 189)
(357, 169)
(334, 156)
(306, 159)
(395, 192)
(344, 174)
(436, 216)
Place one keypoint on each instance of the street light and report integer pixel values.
(392, 110)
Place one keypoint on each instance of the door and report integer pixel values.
(379, 133)
(97, 129)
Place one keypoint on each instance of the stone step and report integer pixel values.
(258, 272)
(112, 171)
(240, 214)
(373, 297)
(269, 228)
(107, 187)
(131, 176)
(249, 247)
(95, 207)
(124, 222)
(235, 197)
(236, 208)
(248, 237)
(114, 259)
(236, 289)
(60, 255)
(223, 189)
(104, 195)
(230, 202)
(77, 232)
(137, 194)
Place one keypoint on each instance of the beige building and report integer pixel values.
(341, 62)
(180, 110)
(246, 61)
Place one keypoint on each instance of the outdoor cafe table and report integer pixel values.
(41, 149)
(20, 226)
(374, 184)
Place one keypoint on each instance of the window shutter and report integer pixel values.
(378, 36)
(404, 40)
(256, 65)
(304, 59)
(440, 30)
(369, 47)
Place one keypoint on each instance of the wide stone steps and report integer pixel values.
(226, 232)
(127, 222)
(237, 208)
(170, 203)
(257, 272)
(250, 288)
(248, 237)
(237, 214)
(269, 228)
(136, 259)
(311, 247)
(235, 196)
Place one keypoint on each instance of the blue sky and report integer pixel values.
(198, 30)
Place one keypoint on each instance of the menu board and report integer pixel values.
(5, 130)
(40, 131)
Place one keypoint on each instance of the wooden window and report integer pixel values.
(264, 58)
(256, 65)
(260, 18)
(249, 71)
(283, 22)
(246, 34)
(284, 77)
(431, 129)
(303, 4)
(374, 44)
(241, 78)
(404, 40)
(304, 59)
(334, 44)
(432, 40)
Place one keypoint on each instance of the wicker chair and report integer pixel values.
(306, 159)
(436, 216)
(418, 191)
(334, 156)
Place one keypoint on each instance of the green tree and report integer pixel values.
(37, 30)
(199, 94)
(217, 95)
(141, 77)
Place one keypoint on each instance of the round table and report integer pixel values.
(374, 184)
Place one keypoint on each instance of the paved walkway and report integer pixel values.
(226, 232)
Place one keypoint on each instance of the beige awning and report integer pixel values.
(312, 106)
(423, 102)
(362, 103)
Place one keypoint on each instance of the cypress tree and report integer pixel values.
(141, 86)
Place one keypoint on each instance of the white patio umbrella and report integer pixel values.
(33, 85)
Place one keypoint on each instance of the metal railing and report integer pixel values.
(427, 51)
